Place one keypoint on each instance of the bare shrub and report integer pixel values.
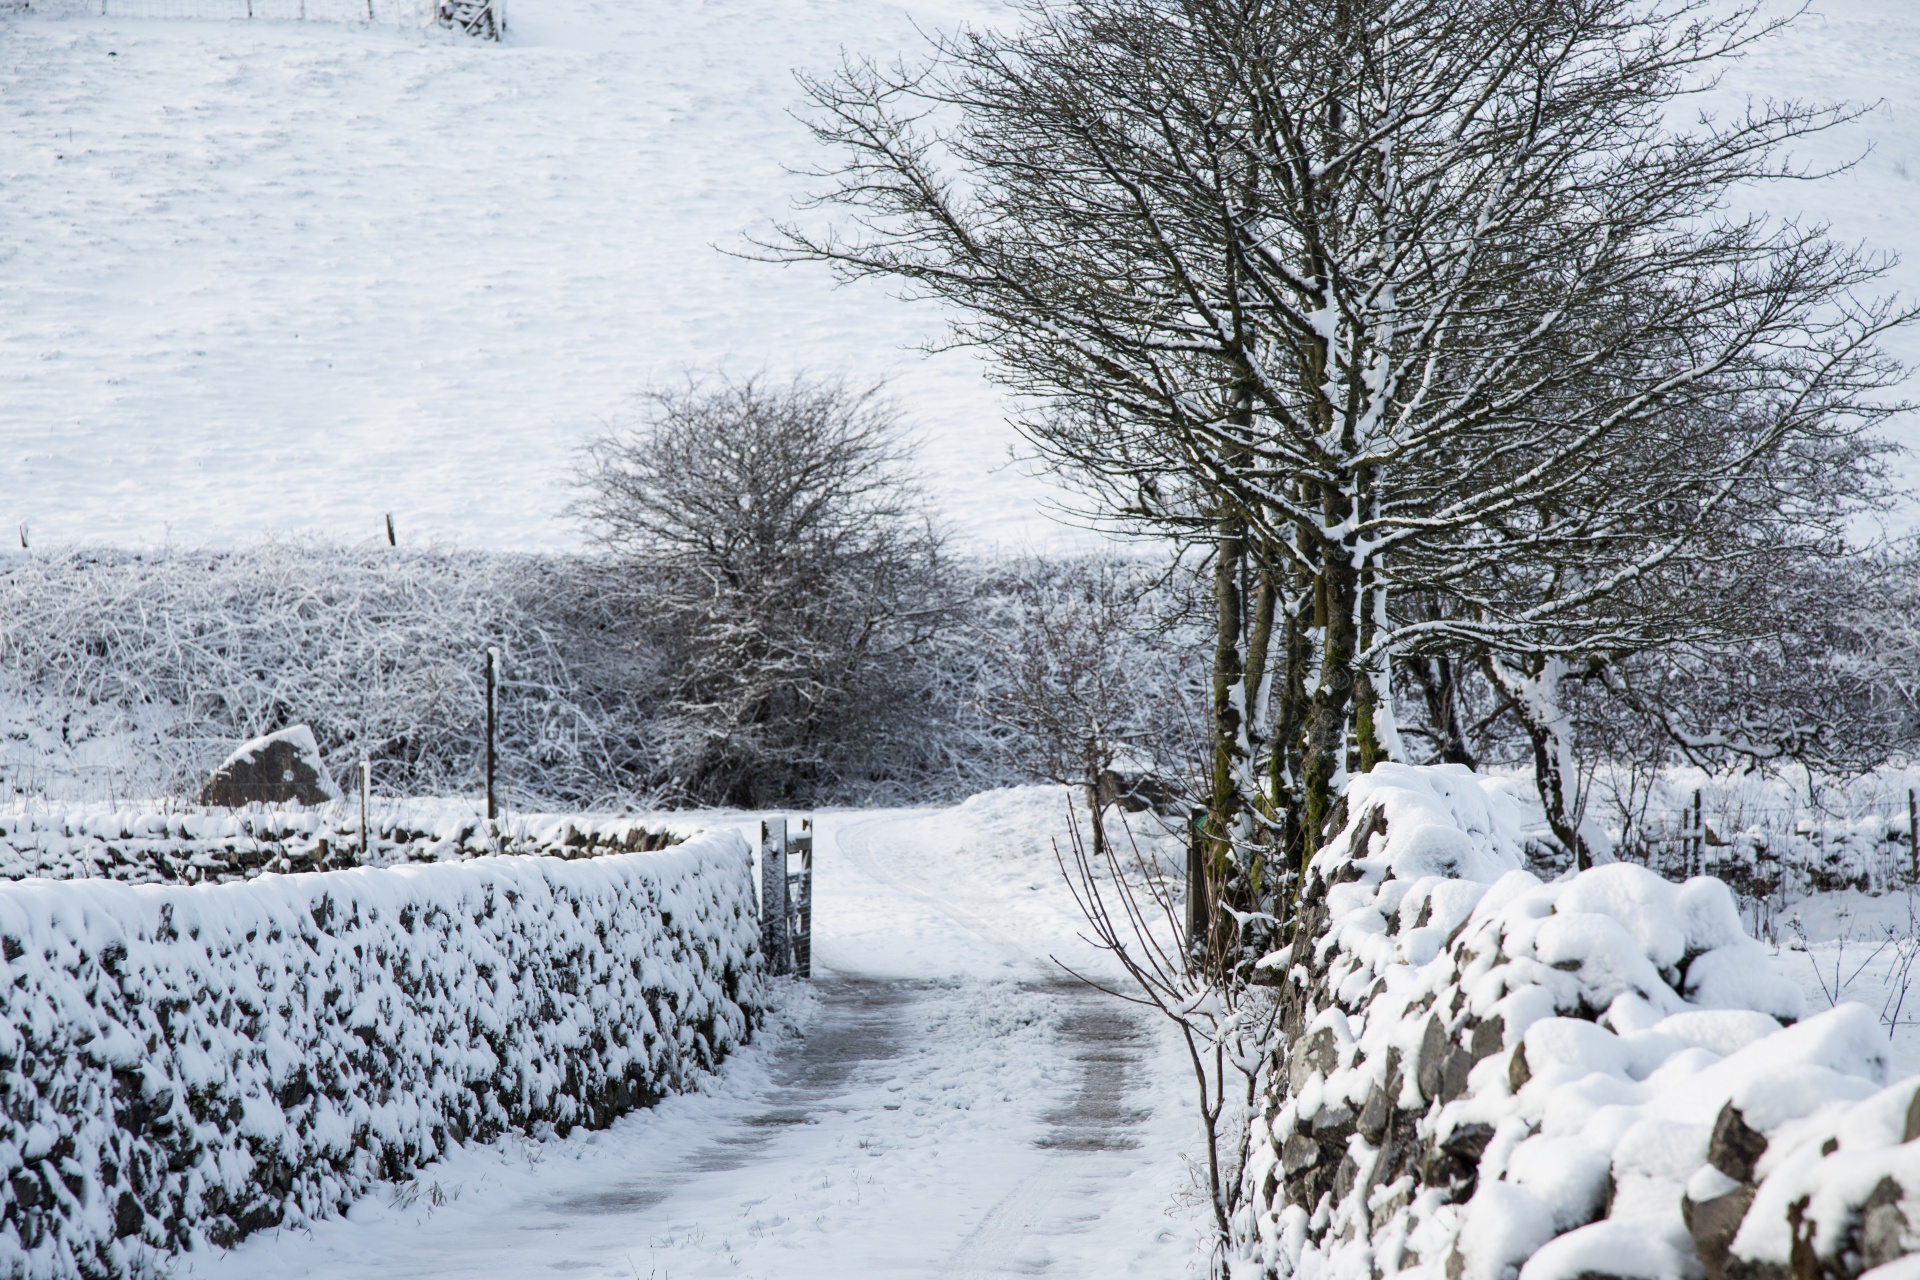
(1088, 680)
(792, 578)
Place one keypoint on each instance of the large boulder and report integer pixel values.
(281, 768)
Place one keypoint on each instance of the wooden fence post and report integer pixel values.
(493, 810)
(800, 900)
(1699, 837)
(1913, 832)
(366, 774)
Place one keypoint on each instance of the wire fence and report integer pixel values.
(483, 18)
(1775, 854)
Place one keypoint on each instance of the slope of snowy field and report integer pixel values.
(1865, 53)
(282, 275)
(941, 1101)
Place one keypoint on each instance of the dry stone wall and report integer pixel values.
(183, 1065)
(215, 846)
(1495, 1078)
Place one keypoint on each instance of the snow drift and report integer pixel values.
(1488, 1076)
(181, 1065)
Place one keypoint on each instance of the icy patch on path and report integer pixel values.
(941, 1102)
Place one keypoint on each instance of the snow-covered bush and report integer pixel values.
(777, 530)
(181, 1065)
(147, 669)
(195, 846)
(126, 674)
(1487, 1075)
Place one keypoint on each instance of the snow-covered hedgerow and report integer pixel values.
(1490, 1076)
(180, 845)
(182, 1065)
(142, 670)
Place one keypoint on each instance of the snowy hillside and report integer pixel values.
(298, 275)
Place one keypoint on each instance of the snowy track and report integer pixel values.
(941, 1102)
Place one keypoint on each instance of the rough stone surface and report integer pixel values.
(1429, 1072)
(1883, 1226)
(280, 768)
(1320, 1053)
(1734, 1149)
(1713, 1224)
(1489, 1038)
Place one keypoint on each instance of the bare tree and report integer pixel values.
(1226, 1026)
(1080, 676)
(778, 542)
(1815, 680)
(1372, 298)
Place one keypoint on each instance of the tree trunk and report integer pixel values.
(1257, 733)
(1532, 692)
(1290, 718)
(1375, 734)
(1439, 688)
(1323, 758)
(1224, 801)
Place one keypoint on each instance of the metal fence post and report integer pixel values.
(773, 895)
(800, 900)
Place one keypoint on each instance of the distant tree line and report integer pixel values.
(774, 617)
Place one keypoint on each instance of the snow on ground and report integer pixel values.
(298, 275)
(1865, 53)
(285, 275)
(1844, 946)
(939, 1102)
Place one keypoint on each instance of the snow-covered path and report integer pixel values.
(942, 1102)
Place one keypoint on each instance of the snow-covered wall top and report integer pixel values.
(181, 1065)
(1487, 1075)
(176, 844)
(1446, 820)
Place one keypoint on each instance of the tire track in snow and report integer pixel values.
(941, 1103)
(1106, 1041)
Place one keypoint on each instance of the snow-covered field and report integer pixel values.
(299, 275)
(940, 1103)
(260, 275)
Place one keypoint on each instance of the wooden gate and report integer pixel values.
(786, 896)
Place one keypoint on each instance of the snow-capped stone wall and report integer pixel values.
(148, 845)
(1490, 1077)
(182, 1065)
